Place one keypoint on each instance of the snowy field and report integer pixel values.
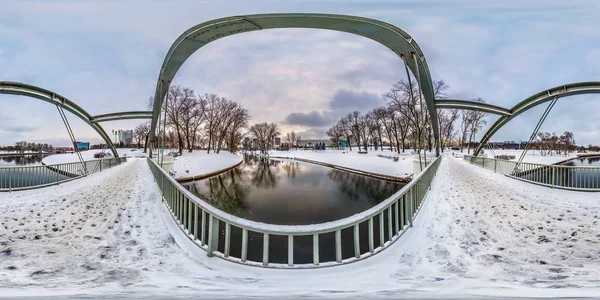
(369, 162)
(199, 163)
(478, 234)
(89, 155)
(534, 156)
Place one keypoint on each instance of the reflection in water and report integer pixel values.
(290, 192)
(357, 187)
(24, 160)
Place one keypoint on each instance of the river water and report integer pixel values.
(288, 192)
(19, 176)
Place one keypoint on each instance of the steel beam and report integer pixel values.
(562, 91)
(122, 116)
(21, 89)
(472, 105)
(198, 36)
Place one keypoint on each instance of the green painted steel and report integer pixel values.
(122, 116)
(389, 35)
(574, 178)
(21, 89)
(471, 105)
(562, 91)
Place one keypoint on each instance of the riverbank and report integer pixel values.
(390, 165)
(199, 164)
(534, 156)
(89, 155)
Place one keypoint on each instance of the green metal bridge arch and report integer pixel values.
(21, 89)
(562, 91)
(389, 35)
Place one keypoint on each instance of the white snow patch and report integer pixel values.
(369, 162)
(199, 163)
(89, 155)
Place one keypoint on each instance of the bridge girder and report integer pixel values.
(21, 89)
(126, 115)
(472, 105)
(389, 35)
(572, 89)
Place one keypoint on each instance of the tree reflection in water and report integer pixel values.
(357, 187)
(291, 192)
(22, 160)
(226, 191)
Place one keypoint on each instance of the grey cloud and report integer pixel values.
(342, 103)
(17, 129)
(313, 133)
(347, 100)
(313, 118)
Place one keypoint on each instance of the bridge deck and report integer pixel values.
(478, 233)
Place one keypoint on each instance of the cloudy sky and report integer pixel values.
(106, 55)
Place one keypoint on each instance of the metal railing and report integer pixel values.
(14, 178)
(213, 230)
(579, 178)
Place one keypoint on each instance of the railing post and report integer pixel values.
(213, 235)
(410, 208)
(244, 244)
(290, 250)
(371, 242)
(338, 246)
(265, 249)
(316, 249)
(195, 222)
(9, 181)
(227, 238)
(356, 241)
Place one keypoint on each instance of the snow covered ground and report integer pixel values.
(534, 156)
(478, 234)
(369, 162)
(89, 155)
(200, 163)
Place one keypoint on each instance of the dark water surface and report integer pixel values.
(25, 160)
(291, 192)
(24, 177)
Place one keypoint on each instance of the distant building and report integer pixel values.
(312, 143)
(126, 136)
(82, 145)
(277, 142)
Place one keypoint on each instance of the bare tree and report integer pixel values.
(141, 132)
(264, 134)
(335, 134)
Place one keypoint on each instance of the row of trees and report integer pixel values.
(24, 146)
(405, 122)
(193, 121)
(547, 142)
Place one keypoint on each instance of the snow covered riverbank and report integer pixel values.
(533, 156)
(89, 155)
(478, 234)
(369, 162)
(199, 163)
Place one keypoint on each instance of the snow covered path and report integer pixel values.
(478, 233)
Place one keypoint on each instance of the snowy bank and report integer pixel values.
(89, 155)
(533, 156)
(199, 163)
(369, 162)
